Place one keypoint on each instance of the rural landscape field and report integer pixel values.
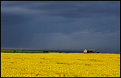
(60, 38)
(60, 65)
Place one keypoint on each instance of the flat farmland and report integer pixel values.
(60, 65)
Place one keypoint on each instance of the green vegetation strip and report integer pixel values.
(20, 51)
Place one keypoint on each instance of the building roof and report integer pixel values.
(90, 49)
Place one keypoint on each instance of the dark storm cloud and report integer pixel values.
(99, 11)
(61, 25)
(13, 29)
(70, 9)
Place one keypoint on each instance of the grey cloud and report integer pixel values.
(78, 40)
(70, 9)
(61, 25)
(13, 30)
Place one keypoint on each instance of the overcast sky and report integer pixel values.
(73, 25)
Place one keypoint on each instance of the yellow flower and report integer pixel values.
(60, 65)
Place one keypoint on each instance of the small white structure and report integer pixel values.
(89, 51)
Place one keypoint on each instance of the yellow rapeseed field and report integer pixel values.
(60, 65)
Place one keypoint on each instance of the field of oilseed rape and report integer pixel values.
(60, 65)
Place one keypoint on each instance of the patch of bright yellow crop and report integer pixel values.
(60, 65)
